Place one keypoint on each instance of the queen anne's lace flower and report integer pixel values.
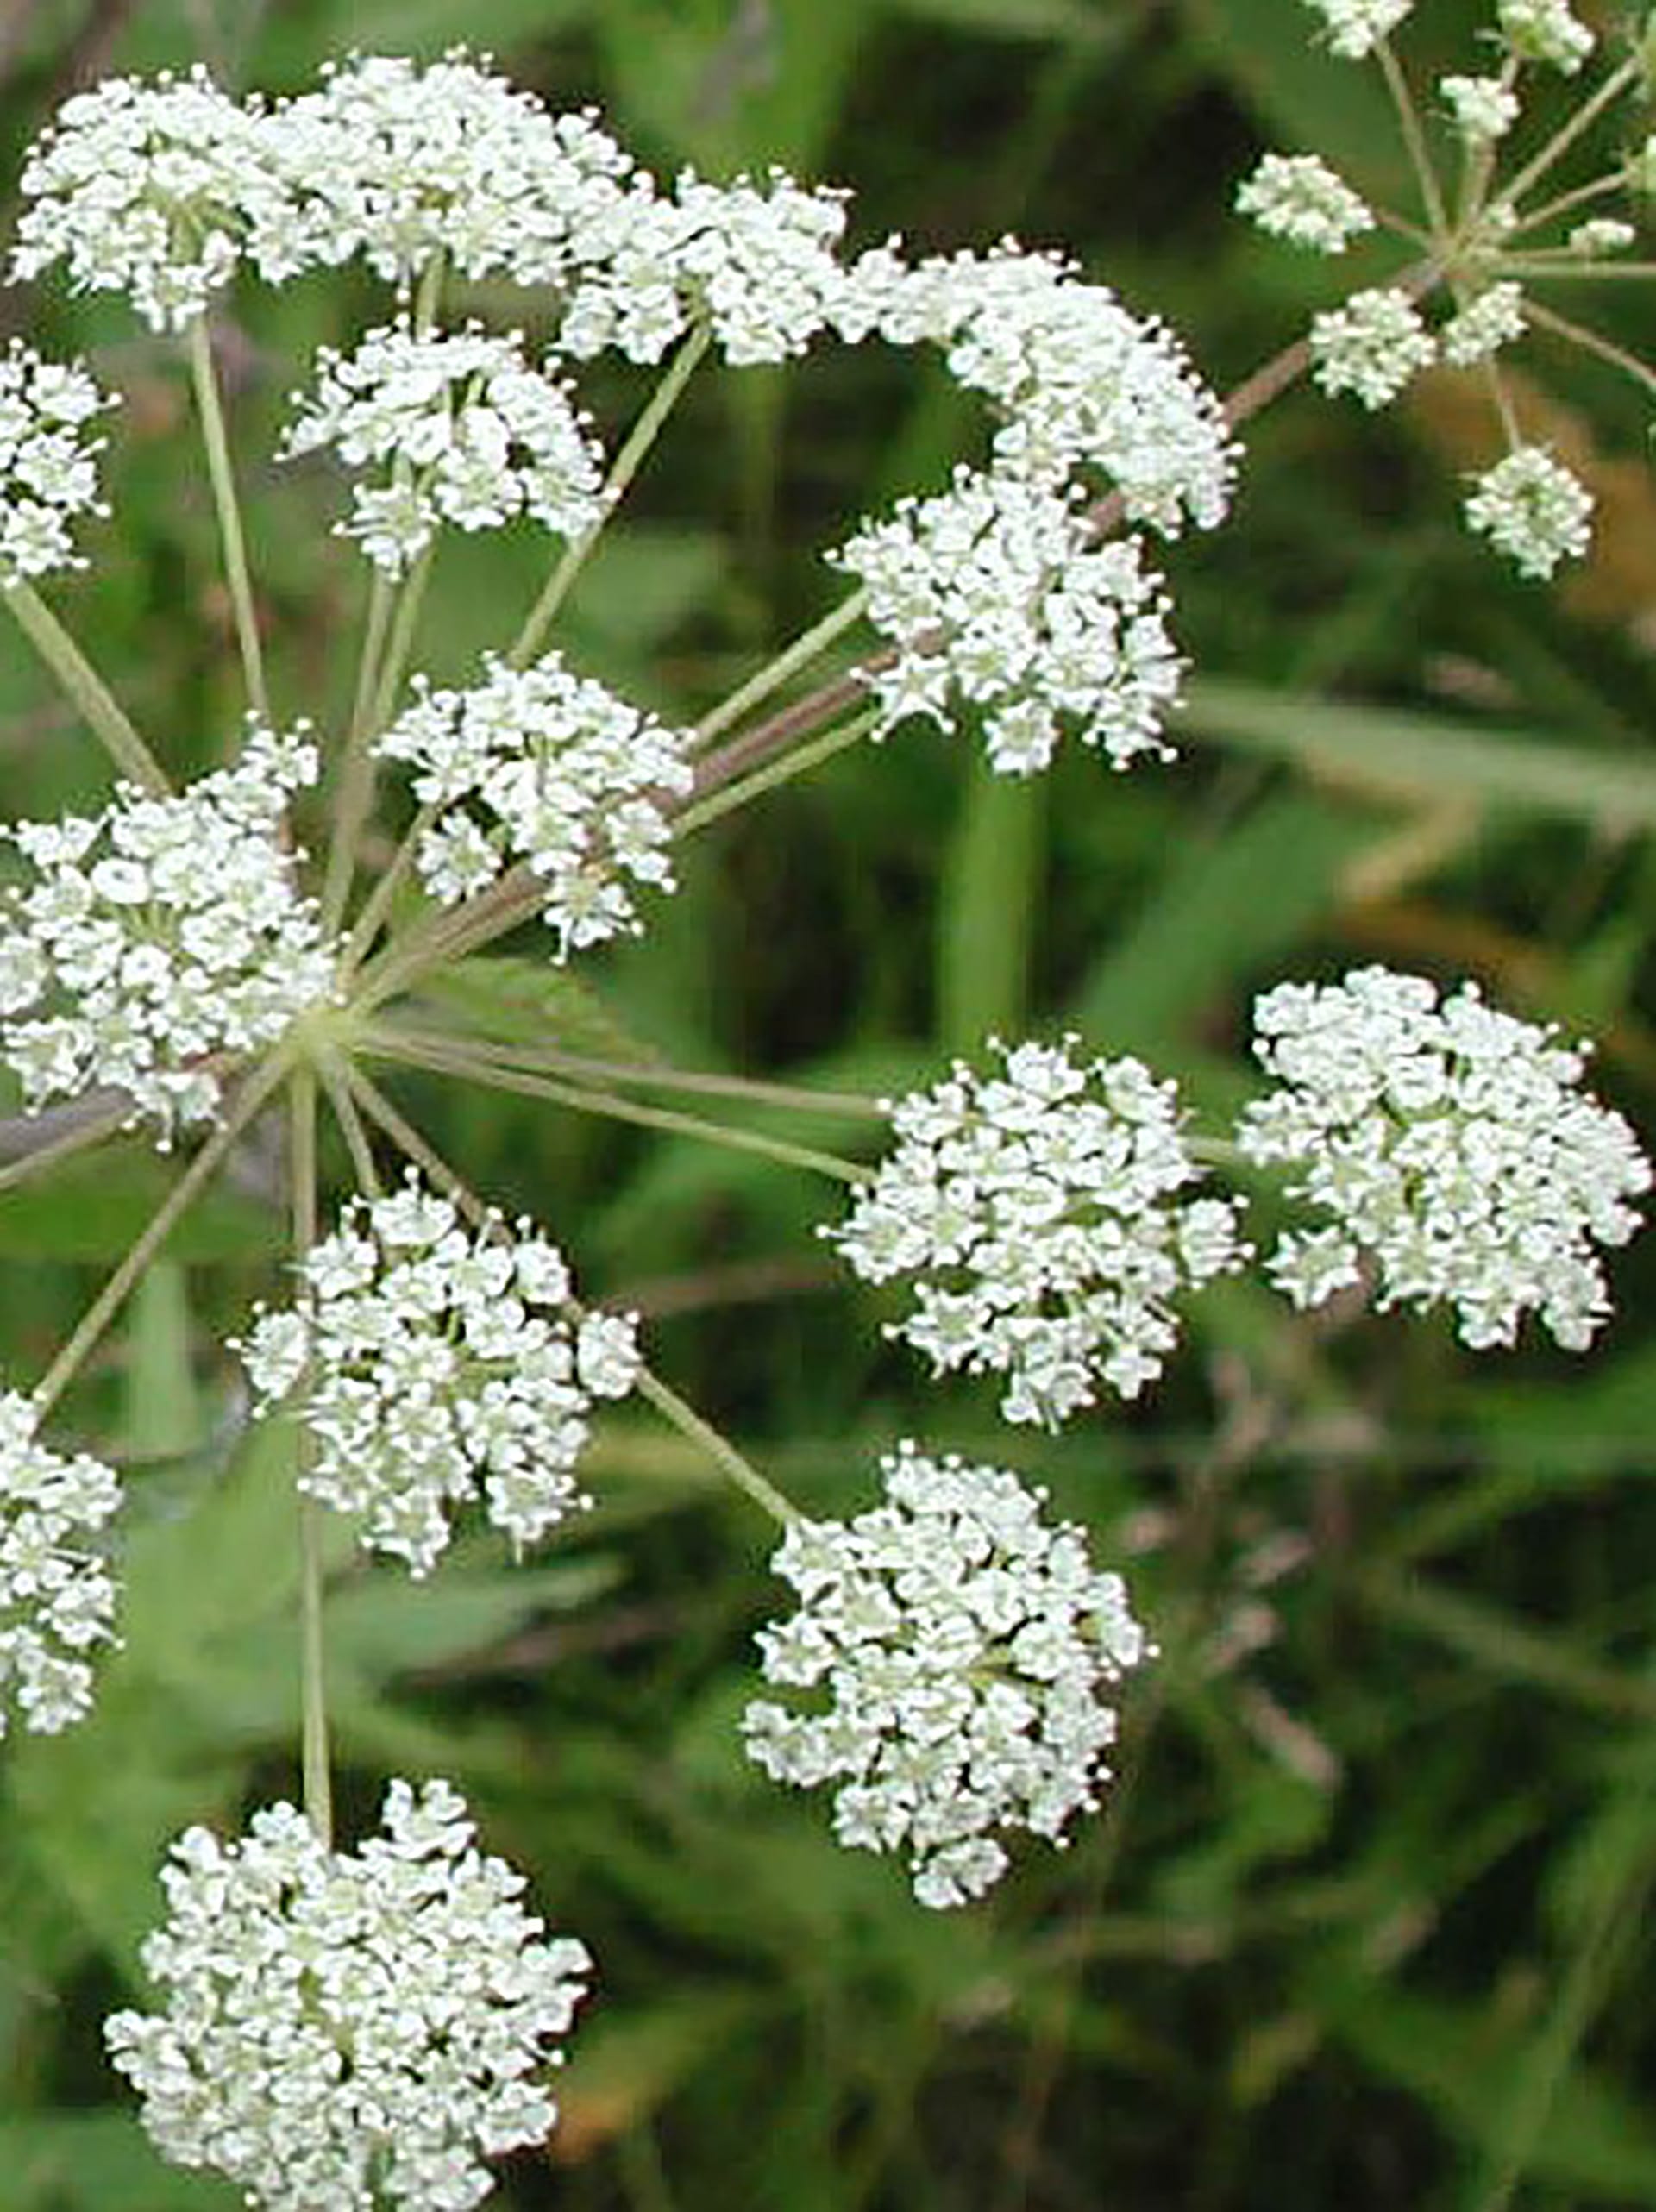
(1299, 198)
(758, 263)
(158, 935)
(997, 592)
(1495, 318)
(349, 2029)
(1356, 27)
(1372, 345)
(963, 1643)
(1545, 30)
(1036, 1207)
(1452, 1144)
(471, 434)
(56, 1599)
(426, 1364)
(149, 188)
(540, 765)
(1484, 108)
(403, 163)
(1531, 508)
(49, 472)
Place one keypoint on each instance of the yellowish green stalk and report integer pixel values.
(221, 474)
(625, 467)
(786, 665)
(1415, 139)
(96, 1129)
(103, 1308)
(689, 1422)
(701, 812)
(315, 1763)
(97, 706)
(1579, 119)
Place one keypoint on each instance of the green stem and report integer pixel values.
(1564, 137)
(86, 687)
(210, 413)
(337, 1082)
(400, 643)
(689, 1422)
(379, 678)
(625, 467)
(1576, 333)
(1578, 196)
(314, 1759)
(456, 1059)
(95, 1129)
(701, 812)
(413, 1147)
(1414, 139)
(103, 1308)
(787, 664)
(440, 938)
(378, 903)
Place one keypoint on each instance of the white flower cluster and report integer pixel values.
(997, 589)
(349, 2029)
(1038, 1203)
(758, 264)
(1484, 108)
(403, 163)
(56, 1600)
(1544, 30)
(1490, 319)
(1452, 1144)
(962, 1642)
(470, 433)
(1355, 28)
(158, 935)
(563, 775)
(1533, 509)
(427, 1363)
(997, 592)
(149, 189)
(1371, 346)
(1299, 198)
(49, 472)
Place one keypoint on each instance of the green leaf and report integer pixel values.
(93, 1207)
(991, 895)
(514, 1000)
(163, 1413)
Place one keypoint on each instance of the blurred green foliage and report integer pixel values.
(1366, 1924)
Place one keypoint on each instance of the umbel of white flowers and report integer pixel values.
(342, 2029)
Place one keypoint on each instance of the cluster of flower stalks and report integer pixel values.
(350, 2024)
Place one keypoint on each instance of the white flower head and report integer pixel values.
(1299, 198)
(1037, 1208)
(1599, 235)
(540, 765)
(57, 1600)
(1483, 109)
(403, 163)
(49, 468)
(1355, 28)
(1546, 31)
(1493, 318)
(349, 2029)
(997, 593)
(149, 188)
(150, 939)
(428, 1365)
(961, 1643)
(1533, 509)
(1371, 346)
(756, 262)
(1450, 1144)
(467, 432)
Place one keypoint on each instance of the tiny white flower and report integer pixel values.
(1533, 509)
(1544, 30)
(1037, 1208)
(422, 1381)
(1299, 198)
(541, 765)
(48, 475)
(1599, 236)
(349, 2028)
(1483, 109)
(965, 1645)
(1489, 322)
(57, 1599)
(1355, 28)
(1371, 346)
(1450, 1142)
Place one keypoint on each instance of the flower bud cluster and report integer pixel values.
(428, 1365)
(48, 471)
(540, 765)
(158, 935)
(1450, 1145)
(469, 433)
(962, 1643)
(56, 1600)
(349, 2029)
(1035, 1206)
